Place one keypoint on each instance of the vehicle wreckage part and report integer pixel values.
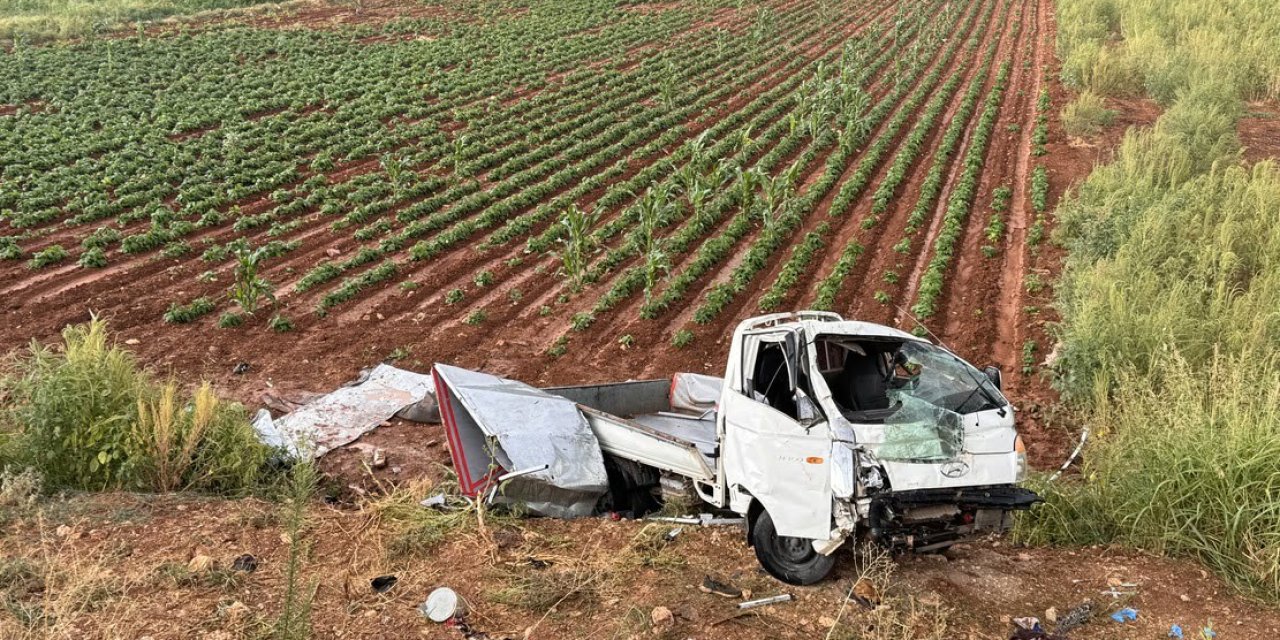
(751, 604)
(495, 425)
(791, 560)
(340, 417)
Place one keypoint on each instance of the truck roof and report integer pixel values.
(816, 322)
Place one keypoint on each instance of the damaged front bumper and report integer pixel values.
(931, 519)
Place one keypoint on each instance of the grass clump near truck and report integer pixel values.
(88, 417)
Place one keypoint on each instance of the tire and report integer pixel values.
(791, 560)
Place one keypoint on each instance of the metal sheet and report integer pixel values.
(338, 418)
(500, 425)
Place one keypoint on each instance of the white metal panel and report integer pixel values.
(639, 443)
(781, 464)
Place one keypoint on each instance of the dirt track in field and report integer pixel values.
(983, 311)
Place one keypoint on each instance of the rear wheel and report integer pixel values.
(791, 560)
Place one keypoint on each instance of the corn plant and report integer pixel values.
(249, 289)
(577, 244)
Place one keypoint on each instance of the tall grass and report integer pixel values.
(1160, 48)
(1187, 464)
(56, 19)
(88, 417)
(1170, 297)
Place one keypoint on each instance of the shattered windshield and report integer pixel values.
(908, 396)
(942, 379)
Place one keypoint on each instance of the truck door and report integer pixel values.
(776, 445)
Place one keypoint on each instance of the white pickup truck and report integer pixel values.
(822, 430)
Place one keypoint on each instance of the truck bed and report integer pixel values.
(635, 420)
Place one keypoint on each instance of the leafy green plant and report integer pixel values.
(280, 324)
(249, 289)
(184, 313)
(682, 338)
(52, 254)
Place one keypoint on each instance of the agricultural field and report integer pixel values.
(532, 187)
(274, 196)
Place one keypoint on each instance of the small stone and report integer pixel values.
(200, 563)
(826, 622)
(1051, 615)
(236, 612)
(662, 618)
(63, 531)
(1185, 598)
(132, 341)
(332, 252)
(1024, 557)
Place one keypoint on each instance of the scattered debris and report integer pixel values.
(379, 459)
(1051, 615)
(662, 618)
(671, 535)
(443, 604)
(246, 563)
(200, 563)
(751, 604)
(434, 502)
(702, 519)
(865, 593)
(713, 586)
(1030, 623)
(383, 584)
(1127, 614)
(340, 417)
(1078, 616)
(240, 369)
(1175, 631)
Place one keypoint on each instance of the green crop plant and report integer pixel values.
(576, 246)
(185, 313)
(1040, 189)
(248, 288)
(50, 255)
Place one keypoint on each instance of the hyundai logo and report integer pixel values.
(955, 469)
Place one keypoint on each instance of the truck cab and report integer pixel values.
(832, 429)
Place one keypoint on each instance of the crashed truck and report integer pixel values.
(822, 430)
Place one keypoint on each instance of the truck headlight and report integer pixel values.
(1020, 459)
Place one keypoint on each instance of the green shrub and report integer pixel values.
(89, 418)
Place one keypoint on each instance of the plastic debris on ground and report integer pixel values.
(1126, 614)
(338, 418)
(246, 563)
(702, 519)
(1175, 631)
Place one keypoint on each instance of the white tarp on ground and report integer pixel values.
(497, 426)
(338, 418)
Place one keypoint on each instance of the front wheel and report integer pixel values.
(791, 560)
